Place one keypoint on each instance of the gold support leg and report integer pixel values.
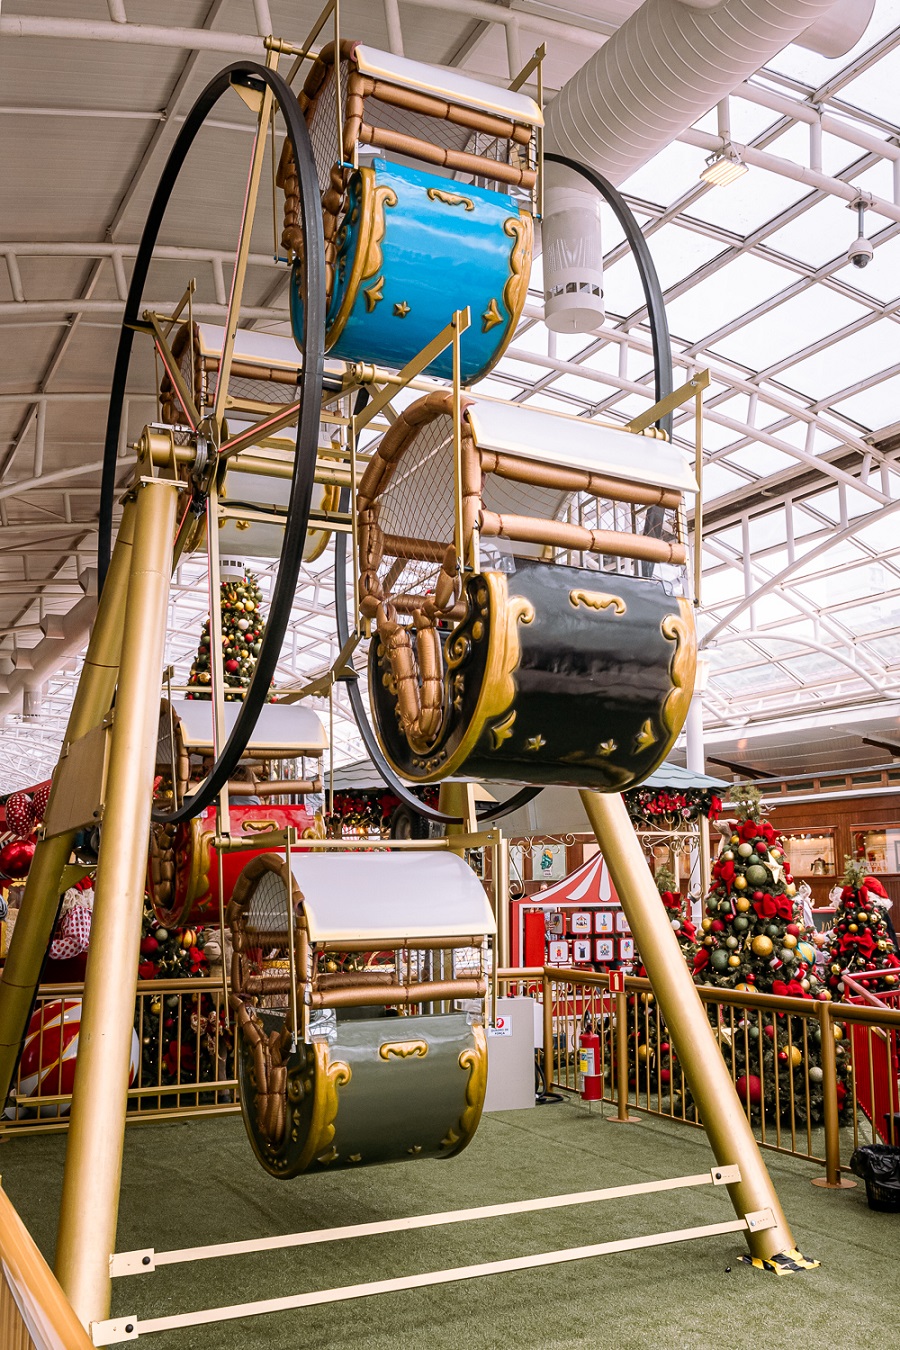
(90, 1198)
(727, 1128)
(37, 915)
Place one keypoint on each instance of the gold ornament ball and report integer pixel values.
(706, 925)
(735, 838)
(742, 904)
(791, 890)
(852, 927)
(835, 969)
(838, 1032)
(734, 960)
(789, 940)
(796, 1056)
(762, 946)
(642, 1052)
(863, 916)
(740, 883)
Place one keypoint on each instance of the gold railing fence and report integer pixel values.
(188, 1070)
(817, 1065)
(826, 1073)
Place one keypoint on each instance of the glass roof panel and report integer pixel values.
(875, 407)
(746, 205)
(711, 303)
(787, 328)
(844, 362)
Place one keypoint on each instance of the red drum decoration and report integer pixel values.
(49, 1055)
(183, 873)
(15, 858)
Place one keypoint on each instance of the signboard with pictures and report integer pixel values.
(622, 924)
(604, 949)
(548, 862)
(581, 921)
(556, 922)
(626, 949)
(558, 953)
(603, 920)
(582, 948)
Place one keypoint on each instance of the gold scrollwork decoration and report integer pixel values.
(679, 628)
(374, 294)
(521, 230)
(645, 738)
(403, 1050)
(502, 731)
(491, 317)
(367, 258)
(599, 600)
(450, 198)
(327, 1079)
(473, 1059)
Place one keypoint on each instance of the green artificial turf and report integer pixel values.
(195, 1182)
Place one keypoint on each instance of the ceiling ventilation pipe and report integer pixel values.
(36, 665)
(667, 65)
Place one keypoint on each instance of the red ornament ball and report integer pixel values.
(39, 801)
(758, 895)
(232, 666)
(20, 814)
(749, 1088)
(761, 847)
(15, 858)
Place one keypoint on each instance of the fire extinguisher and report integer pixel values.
(589, 1080)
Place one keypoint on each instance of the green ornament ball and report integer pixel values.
(756, 875)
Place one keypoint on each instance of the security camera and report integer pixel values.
(860, 252)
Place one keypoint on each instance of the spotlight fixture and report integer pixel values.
(723, 167)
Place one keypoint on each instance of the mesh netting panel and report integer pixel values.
(595, 513)
(437, 131)
(418, 506)
(261, 391)
(267, 913)
(323, 126)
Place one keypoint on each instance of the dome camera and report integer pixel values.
(860, 252)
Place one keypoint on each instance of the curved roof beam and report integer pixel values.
(778, 580)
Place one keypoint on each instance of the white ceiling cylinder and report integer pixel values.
(665, 67)
(572, 251)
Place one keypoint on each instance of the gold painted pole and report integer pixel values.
(547, 1003)
(37, 915)
(727, 1128)
(622, 1116)
(90, 1198)
(832, 1178)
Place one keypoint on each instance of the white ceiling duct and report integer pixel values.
(665, 67)
(36, 665)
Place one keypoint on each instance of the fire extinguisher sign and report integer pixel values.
(617, 982)
(502, 1026)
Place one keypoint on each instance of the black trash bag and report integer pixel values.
(879, 1166)
(877, 1162)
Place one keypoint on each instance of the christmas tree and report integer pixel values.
(860, 939)
(183, 1039)
(656, 1058)
(754, 940)
(753, 936)
(242, 633)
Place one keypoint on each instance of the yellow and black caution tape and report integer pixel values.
(783, 1263)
